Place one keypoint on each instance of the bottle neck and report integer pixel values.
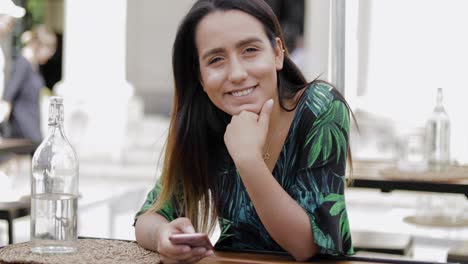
(56, 115)
(439, 108)
(440, 98)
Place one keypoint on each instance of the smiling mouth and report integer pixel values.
(242, 92)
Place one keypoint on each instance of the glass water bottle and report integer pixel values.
(438, 136)
(54, 189)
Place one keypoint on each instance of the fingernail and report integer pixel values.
(209, 253)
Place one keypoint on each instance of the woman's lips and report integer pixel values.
(243, 92)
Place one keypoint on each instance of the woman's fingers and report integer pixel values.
(184, 225)
(179, 225)
(171, 253)
(193, 256)
(194, 259)
(176, 251)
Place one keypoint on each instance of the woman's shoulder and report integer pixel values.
(21, 59)
(318, 96)
(21, 64)
(322, 88)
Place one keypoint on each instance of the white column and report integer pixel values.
(337, 47)
(317, 39)
(94, 76)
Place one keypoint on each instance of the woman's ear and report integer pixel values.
(279, 54)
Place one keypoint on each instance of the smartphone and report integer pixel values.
(193, 240)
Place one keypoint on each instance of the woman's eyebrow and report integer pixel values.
(211, 52)
(238, 44)
(247, 41)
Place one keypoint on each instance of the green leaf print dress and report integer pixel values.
(311, 169)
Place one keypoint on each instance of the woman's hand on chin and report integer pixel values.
(245, 136)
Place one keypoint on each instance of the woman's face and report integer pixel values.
(237, 61)
(46, 46)
(44, 53)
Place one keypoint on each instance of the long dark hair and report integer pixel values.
(195, 142)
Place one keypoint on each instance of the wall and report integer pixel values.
(150, 32)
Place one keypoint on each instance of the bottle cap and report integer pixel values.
(56, 100)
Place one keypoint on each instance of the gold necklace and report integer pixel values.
(266, 155)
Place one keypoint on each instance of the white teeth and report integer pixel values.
(242, 93)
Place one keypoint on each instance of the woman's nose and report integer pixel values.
(237, 71)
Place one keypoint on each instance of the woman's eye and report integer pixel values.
(214, 60)
(250, 50)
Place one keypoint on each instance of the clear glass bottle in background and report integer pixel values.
(54, 189)
(438, 136)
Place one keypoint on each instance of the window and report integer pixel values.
(397, 53)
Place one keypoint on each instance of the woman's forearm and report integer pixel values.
(146, 229)
(286, 222)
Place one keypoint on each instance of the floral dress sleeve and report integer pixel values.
(320, 182)
(168, 210)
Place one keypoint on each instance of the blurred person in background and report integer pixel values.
(23, 90)
(9, 12)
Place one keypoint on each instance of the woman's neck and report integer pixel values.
(280, 117)
(276, 117)
(280, 120)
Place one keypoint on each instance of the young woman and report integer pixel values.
(251, 144)
(23, 89)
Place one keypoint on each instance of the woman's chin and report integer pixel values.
(251, 108)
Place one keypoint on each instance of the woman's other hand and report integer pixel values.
(170, 253)
(245, 136)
